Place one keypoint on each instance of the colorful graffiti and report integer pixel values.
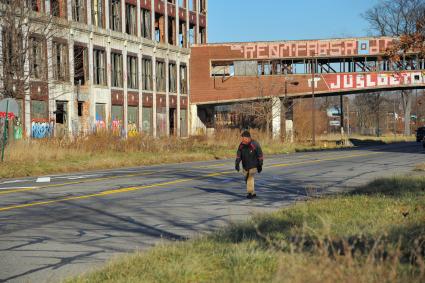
(17, 129)
(41, 130)
(132, 129)
(313, 47)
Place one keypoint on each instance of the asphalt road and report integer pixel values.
(57, 228)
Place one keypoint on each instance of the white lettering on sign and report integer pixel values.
(359, 81)
(316, 80)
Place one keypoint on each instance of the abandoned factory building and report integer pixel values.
(114, 64)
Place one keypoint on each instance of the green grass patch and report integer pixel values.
(374, 234)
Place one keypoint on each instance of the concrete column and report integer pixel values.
(178, 96)
(123, 15)
(177, 23)
(69, 10)
(124, 56)
(276, 117)
(71, 104)
(197, 35)
(138, 19)
(206, 21)
(166, 23)
(88, 11)
(167, 93)
(153, 20)
(154, 94)
(106, 15)
(50, 76)
(187, 25)
(92, 99)
(139, 77)
(188, 89)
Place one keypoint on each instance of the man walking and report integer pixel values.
(251, 155)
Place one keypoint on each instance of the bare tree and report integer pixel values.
(403, 19)
(266, 107)
(25, 30)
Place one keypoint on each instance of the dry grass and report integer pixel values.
(376, 234)
(103, 150)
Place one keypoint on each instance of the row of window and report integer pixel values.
(61, 67)
(128, 22)
(305, 66)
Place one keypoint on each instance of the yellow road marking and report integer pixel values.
(178, 181)
(75, 183)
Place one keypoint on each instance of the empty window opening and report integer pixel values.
(81, 65)
(147, 74)
(60, 61)
(79, 10)
(37, 58)
(99, 69)
(132, 73)
(183, 79)
(159, 28)
(80, 109)
(172, 78)
(160, 76)
(98, 13)
(115, 15)
(60, 112)
(130, 19)
(116, 70)
(146, 27)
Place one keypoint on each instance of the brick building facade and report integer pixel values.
(116, 64)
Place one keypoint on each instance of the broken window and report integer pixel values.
(202, 7)
(37, 58)
(147, 74)
(58, 8)
(99, 70)
(146, 23)
(60, 61)
(13, 57)
(132, 72)
(182, 35)
(160, 76)
(203, 35)
(171, 31)
(115, 15)
(172, 78)
(116, 70)
(39, 110)
(147, 120)
(245, 68)
(183, 79)
(130, 19)
(79, 10)
(222, 69)
(159, 28)
(264, 68)
(97, 13)
(81, 65)
(60, 112)
(35, 5)
(80, 109)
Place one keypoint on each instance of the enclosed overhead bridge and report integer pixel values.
(233, 72)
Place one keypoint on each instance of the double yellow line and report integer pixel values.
(163, 184)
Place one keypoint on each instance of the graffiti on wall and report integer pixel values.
(313, 48)
(41, 130)
(132, 129)
(360, 81)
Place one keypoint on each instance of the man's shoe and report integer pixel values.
(249, 196)
(254, 195)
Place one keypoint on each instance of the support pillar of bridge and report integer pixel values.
(276, 117)
(287, 119)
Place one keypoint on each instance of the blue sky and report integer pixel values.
(246, 20)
